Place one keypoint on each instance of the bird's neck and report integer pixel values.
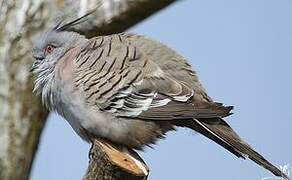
(44, 85)
(48, 92)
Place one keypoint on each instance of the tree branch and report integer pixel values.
(118, 16)
(22, 116)
(114, 162)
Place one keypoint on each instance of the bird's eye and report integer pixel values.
(49, 49)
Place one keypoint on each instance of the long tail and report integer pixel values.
(220, 132)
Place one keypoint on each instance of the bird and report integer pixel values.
(128, 89)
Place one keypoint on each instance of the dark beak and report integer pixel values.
(32, 68)
(35, 64)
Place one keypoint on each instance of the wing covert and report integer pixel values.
(115, 75)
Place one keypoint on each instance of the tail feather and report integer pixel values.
(220, 132)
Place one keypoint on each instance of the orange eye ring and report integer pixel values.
(49, 49)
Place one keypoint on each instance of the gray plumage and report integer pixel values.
(128, 89)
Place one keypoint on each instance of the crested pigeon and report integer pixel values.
(128, 89)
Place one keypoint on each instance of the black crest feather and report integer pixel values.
(59, 27)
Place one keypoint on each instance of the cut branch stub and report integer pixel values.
(112, 162)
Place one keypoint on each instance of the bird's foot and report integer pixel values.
(90, 153)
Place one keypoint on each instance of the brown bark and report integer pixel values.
(112, 162)
(22, 116)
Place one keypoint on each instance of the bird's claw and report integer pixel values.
(90, 153)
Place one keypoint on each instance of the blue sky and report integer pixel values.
(242, 51)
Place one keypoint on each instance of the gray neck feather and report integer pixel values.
(45, 85)
(45, 81)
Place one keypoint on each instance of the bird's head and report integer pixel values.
(51, 45)
(48, 49)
